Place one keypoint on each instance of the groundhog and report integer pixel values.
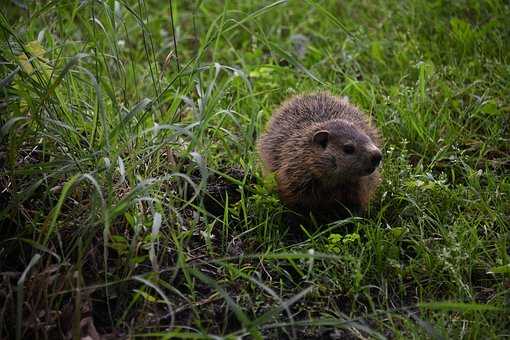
(325, 155)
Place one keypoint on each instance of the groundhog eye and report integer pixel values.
(349, 148)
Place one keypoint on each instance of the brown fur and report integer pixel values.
(315, 177)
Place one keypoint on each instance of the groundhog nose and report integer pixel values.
(376, 158)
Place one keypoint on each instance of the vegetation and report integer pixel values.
(132, 198)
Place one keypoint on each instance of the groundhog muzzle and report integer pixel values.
(325, 154)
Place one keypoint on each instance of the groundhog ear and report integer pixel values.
(321, 138)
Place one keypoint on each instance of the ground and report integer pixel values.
(133, 201)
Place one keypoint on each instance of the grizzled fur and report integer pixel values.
(324, 152)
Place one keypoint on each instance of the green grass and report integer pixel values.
(132, 198)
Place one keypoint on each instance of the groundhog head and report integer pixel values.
(344, 151)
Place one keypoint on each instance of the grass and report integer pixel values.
(132, 198)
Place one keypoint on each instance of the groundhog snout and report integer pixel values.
(375, 158)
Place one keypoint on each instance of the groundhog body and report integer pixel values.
(325, 154)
